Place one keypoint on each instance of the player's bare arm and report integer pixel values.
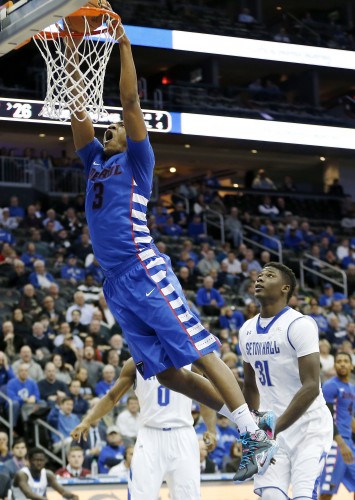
(106, 404)
(309, 371)
(21, 481)
(344, 449)
(250, 389)
(132, 114)
(53, 483)
(81, 124)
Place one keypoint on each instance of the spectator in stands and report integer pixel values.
(348, 222)
(107, 382)
(121, 470)
(128, 420)
(93, 367)
(6, 236)
(94, 443)
(71, 272)
(343, 249)
(82, 248)
(72, 222)
(207, 466)
(52, 217)
(326, 360)
(95, 269)
(86, 389)
(316, 312)
(180, 215)
(209, 298)
(50, 311)
(63, 370)
(39, 340)
(336, 189)
(64, 330)
(50, 388)
(350, 259)
(288, 185)
(113, 453)
(245, 17)
(86, 309)
(90, 289)
(100, 334)
(29, 302)
(196, 230)
(68, 351)
(35, 372)
(9, 342)
(18, 276)
(171, 229)
(18, 459)
(30, 256)
(31, 219)
(208, 263)
(75, 326)
(48, 234)
(224, 281)
(263, 182)
(233, 264)
(268, 208)
(187, 281)
(251, 262)
(6, 221)
(59, 302)
(40, 278)
(62, 418)
(329, 295)
(282, 36)
(24, 393)
(5, 454)
(293, 240)
(74, 466)
(231, 319)
(6, 372)
(15, 209)
(81, 405)
(233, 227)
(22, 325)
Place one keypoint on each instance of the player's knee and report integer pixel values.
(273, 494)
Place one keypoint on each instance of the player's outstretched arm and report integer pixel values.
(309, 371)
(106, 404)
(132, 114)
(53, 483)
(250, 389)
(81, 124)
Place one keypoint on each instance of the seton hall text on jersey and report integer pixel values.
(105, 173)
(260, 348)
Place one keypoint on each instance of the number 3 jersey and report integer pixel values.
(160, 407)
(272, 346)
(117, 194)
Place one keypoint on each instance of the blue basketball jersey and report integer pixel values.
(342, 396)
(117, 194)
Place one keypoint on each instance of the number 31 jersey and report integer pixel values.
(272, 346)
(160, 407)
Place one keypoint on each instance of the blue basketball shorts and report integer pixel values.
(147, 300)
(336, 471)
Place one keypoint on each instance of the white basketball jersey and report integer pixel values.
(37, 487)
(160, 407)
(273, 352)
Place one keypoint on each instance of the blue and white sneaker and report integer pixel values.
(265, 420)
(258, 451)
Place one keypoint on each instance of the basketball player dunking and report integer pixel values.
(140, 288)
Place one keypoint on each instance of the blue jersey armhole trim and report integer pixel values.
(261, 330)
(288, 331)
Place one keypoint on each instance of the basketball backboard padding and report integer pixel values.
(21, 24)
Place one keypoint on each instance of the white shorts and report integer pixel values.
(173, 455)
(300, 457)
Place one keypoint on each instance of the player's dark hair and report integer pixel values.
(288, 276)
(35, 451)
(342, 353)
(19, 441)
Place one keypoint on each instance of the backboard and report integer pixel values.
(21, 19)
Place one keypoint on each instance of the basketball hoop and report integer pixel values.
(70, 53)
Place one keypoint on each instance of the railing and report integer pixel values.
(66, 180)
(277, 252)
(329, 277)
(10, 422)
(215, 219)
(38, 423)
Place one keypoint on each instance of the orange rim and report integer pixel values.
(84, 12)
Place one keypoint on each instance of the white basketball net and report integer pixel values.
(86, 58)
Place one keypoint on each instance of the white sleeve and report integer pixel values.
(303, 336)
(241, 344)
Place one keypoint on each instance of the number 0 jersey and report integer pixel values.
(273, 352)
(117, 194)
(160, 407)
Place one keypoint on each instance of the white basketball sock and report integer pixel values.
(243, 419)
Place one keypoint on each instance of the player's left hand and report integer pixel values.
(210, 440)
